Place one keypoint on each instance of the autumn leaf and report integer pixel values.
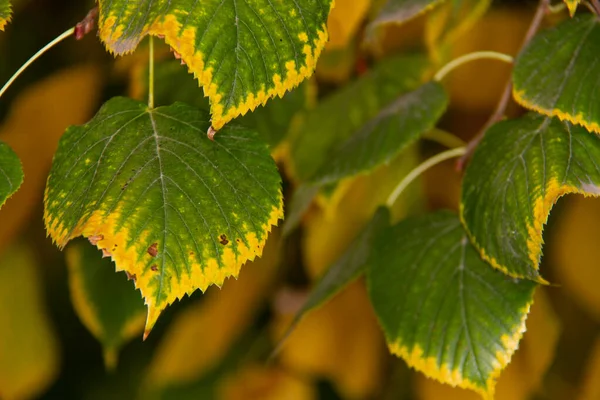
(11, 173)
(175, 210)
(572, 6)
(343, 22)
(5, 11)
(241, 53)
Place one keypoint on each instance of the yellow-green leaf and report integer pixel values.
(11, 172)
(243, 53)
(557, 74)
(105, 302)
(5, 11)
(175, 210)
(29, 355)
(572, 6)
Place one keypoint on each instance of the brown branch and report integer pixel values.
(500, 109)
(87, 24)
(596, 6)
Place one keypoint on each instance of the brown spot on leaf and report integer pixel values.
(106, 253)
(130, 276)
(211, 133)
(94, 239)
(153, 249)
(223, 240)
(154, 267)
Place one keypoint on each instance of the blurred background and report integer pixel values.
(71, 328)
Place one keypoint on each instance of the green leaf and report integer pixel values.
(557, 74)
(572, 6)
(272, 121)
(243, 53)
(11, 173)
(176, 211)
(385, 136)
(5, 12)
(399, 11)
(105, 302)
(443, 310)
(345, 270)
(519, 170)
(339, 116)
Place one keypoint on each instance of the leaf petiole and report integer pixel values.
(37, 55)
(478, 55)
(419, 169)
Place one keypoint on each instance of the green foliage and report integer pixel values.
(566, 83)
(443, 309)
(5, 11)
(11, 172)
(176, 211)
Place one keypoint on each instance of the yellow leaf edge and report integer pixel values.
(572, 6)
(541, 211)
(104, 229)
(184, 45)
(453, 377)
(519, 96)
(5, 21)
(88, 314)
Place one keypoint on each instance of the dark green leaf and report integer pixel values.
(11, 173)
(558, 73)
(443, 310)
(343, 113)
(385, 136)
(519, 170)
(398, 11)
(243, 53)
(177, 211)
(106, 302)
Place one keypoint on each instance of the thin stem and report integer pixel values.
(596, 6)
(500, 110)
(424, 166)
(444, 138)
(37, 55)
(151, 74)
(478, 55)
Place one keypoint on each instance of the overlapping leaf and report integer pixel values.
(5, 11)
(11, 172)
(398, 11)
(442, 309)
(517, 173)
(572, 6)
(175, 210)
(105, 302)
(385, 136)
(341, 114)
(242, 53)
(557, 74)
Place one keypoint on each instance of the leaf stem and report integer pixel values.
(500, 109)
(419, 169)
(151, 73)
(478, 55)
(444, 138)
(37, 55)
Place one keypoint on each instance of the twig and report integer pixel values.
(500, 109)
(87, 24)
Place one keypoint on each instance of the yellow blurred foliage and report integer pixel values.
(213, 325)
(344, 21)
(524, 375)
(37, 119)
(29, 356)
(576, 252)
(340, 341)
(256, 382)
(591, 382)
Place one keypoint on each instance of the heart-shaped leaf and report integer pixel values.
(243, 53)
(176, 211)
(5, 11)
(105, 302)
(385, 136)
(519, 170)
(557, 74)
(443, 310)
(11, 172)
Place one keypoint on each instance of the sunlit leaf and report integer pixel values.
(176, 211)
(35, 140)
(572, 6)
(29, 354)
(11, 172)
(443, 310)
(385, 136)
(5, 11)
(105, 302)
(398, 11)
(557, 74)
(517, 173)
(341, 114)
(242, 53)
(346, 269)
